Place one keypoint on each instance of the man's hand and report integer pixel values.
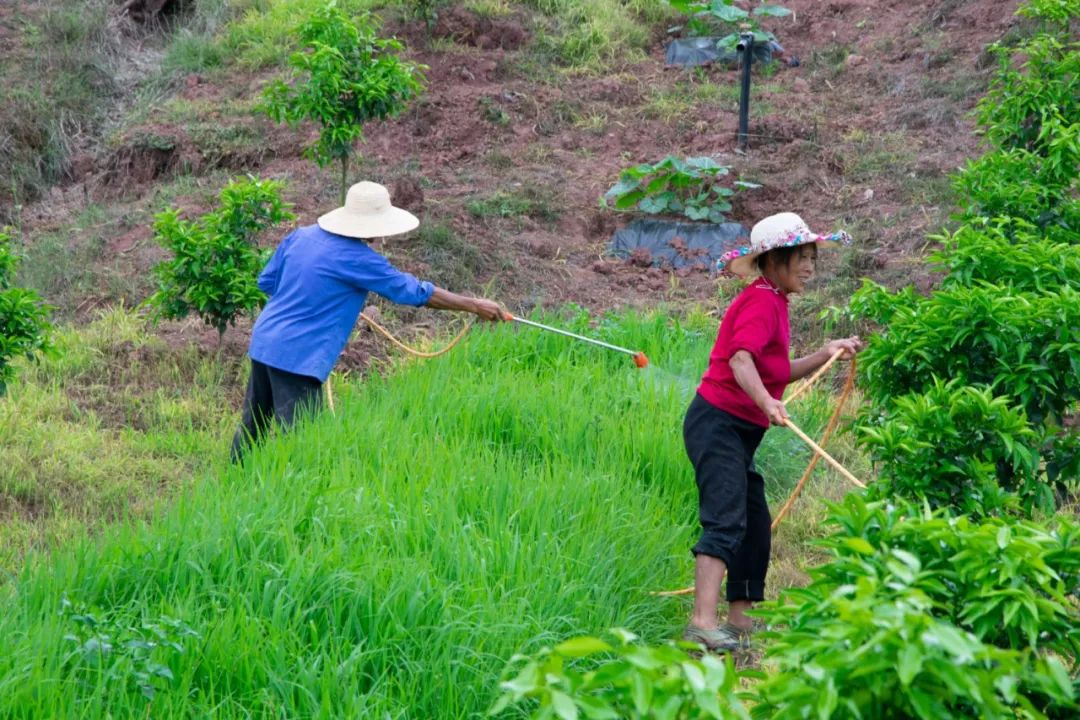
(774, 410)
(850, 346)
(488, 309)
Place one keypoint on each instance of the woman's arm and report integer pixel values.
(746, 374)
(801, 367)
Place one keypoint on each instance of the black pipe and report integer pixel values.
(746, 46)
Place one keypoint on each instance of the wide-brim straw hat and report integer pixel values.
(367, 213)
(781, 230)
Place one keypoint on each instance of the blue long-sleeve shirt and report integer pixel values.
(318, 283)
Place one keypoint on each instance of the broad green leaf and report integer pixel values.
(910, 662)
(582, 646)
(653, 205)
(564, 707)
(772, 11)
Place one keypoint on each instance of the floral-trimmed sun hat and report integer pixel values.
(781, 230)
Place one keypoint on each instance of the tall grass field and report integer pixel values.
(387, 560)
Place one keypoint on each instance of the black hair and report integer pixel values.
(781, 256)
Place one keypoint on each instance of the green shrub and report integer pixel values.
(215, 262)
(954, 446)
(1021, 344)
(345, 76)
(1031, 114)
(1010, 252)
(24, 318)
(690, 187)
(629, 680)
(921, 615)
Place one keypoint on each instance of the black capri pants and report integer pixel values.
(735, 521)
(273, 395)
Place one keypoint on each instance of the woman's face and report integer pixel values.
(792, 277)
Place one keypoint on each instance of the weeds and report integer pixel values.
(454, 262)
(536, 203)
(55, 89)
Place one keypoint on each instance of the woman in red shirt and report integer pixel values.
(739, 397)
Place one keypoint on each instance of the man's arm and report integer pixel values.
(445, 300)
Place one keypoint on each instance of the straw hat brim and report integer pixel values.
(386, 222)
(744, 265)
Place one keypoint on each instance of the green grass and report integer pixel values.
(100, 432)
(534, 202)
(386, 561)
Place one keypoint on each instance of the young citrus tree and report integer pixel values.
(215, 264)
(973, 389)
(344, 76)
(24, 318)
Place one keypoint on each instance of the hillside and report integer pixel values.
(520, 131)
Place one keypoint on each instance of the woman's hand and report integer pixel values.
(850, 346)
(774, 410)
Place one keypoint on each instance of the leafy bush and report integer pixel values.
(215, 261)
(1021, 344)
(1005, 318)
(689, 187)
(1007, 251)
(427, 11)
(1020, 183)
(24, 318)
(921, 615)
(345, 76)
(631, 680)
(707, 14)
(1030, 113)
(954, 446)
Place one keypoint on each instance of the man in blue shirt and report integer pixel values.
(318, 281)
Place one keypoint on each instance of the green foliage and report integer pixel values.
(920, 615)
(126, 657)
(629, 680)
(344, 77)
(1011, 252)
(1004, 321)
(427, 11)
(215, 260)
(954, 446)
(706, 15)
(1030, 114)
(24, 318)
(690, 187)
(1021, 344)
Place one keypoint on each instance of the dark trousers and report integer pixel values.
(734, 515)
(273, 395)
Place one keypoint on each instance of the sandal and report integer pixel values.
(726, 638)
